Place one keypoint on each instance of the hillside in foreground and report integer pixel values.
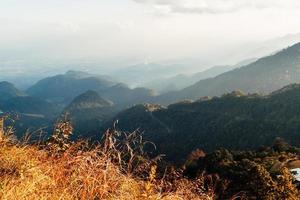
(118, 168)
(61, 169)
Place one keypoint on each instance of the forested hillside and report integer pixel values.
(233, 121)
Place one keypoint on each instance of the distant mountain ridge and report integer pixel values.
(64, 88)
(90, 99)
(183, 80)
(263, 76)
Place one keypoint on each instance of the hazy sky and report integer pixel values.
(153, 30)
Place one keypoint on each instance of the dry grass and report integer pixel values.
(31, 172)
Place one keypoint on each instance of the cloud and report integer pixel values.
(216, 6)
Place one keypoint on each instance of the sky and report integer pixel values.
(121, 32)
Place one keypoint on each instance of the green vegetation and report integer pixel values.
(118, 167)
(233, 121)
(262, 174)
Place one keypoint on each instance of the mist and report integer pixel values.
(41, 38)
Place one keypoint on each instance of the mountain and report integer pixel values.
(89, 105)
(8, 91)
(89, 111)
(234, 121)
(64, 88)
(263, 76)
(89, 99)
(183, 80)
(263, 48)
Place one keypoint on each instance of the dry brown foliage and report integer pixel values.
(116, 168)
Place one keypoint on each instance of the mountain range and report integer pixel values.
(197, 116)
(77, 93)
(64, 88)
(181, 81)
(263, 76)
(235, 121)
